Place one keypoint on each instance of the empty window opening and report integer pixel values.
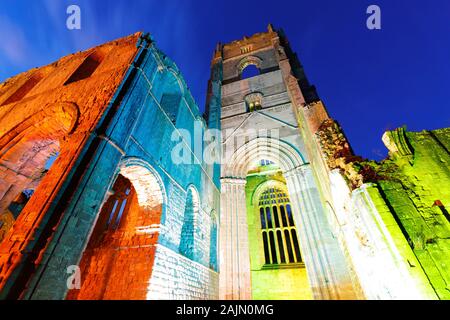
(114, 209)
(20, 93)
(51, 159)
(19, 202)
(250, 71)
(118, 260)
(87, 68)
(23, 166)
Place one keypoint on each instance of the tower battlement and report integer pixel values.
(247, 45)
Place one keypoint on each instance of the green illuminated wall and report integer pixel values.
(415, 185)
(282, 283)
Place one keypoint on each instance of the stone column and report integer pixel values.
(325, 263)
(234, 259)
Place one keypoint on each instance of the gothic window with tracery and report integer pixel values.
(278, 228)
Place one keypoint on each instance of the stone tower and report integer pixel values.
(268, 124)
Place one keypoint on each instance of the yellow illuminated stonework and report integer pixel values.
(277, 269)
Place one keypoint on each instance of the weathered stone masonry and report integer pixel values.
(124, 139)
(88, 178)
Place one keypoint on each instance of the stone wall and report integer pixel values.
(176, 277)
(418, 195)
(135, 133)
(382, 263)
(410, 197)
(50, 109)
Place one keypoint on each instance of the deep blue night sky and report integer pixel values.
(369, 80)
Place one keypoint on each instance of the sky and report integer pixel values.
(370, 80)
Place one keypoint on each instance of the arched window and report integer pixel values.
(170, 102)
(22, 168)
(191, 212)
(249, 66)
(213, 243)
(249, 71)
(27, 151)
(113, 211)
(278, 229)
(87, 68)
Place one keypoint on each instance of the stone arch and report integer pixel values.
(172, 93)
(275, 150)
(118, 260)
(58, 119)
(264, 186)
(147, 182)
(249, 60)
(27, 152)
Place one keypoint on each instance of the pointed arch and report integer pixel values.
(264, 186)
(127, 229)
(275, 150)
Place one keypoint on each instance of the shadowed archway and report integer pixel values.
(118, 260)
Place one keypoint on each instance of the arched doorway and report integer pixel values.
(118, 260)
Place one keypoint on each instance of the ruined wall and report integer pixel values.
(408, 196)
(149, 104)
(382, 262)
(135, 138)
(418, 194)
(51, 109)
